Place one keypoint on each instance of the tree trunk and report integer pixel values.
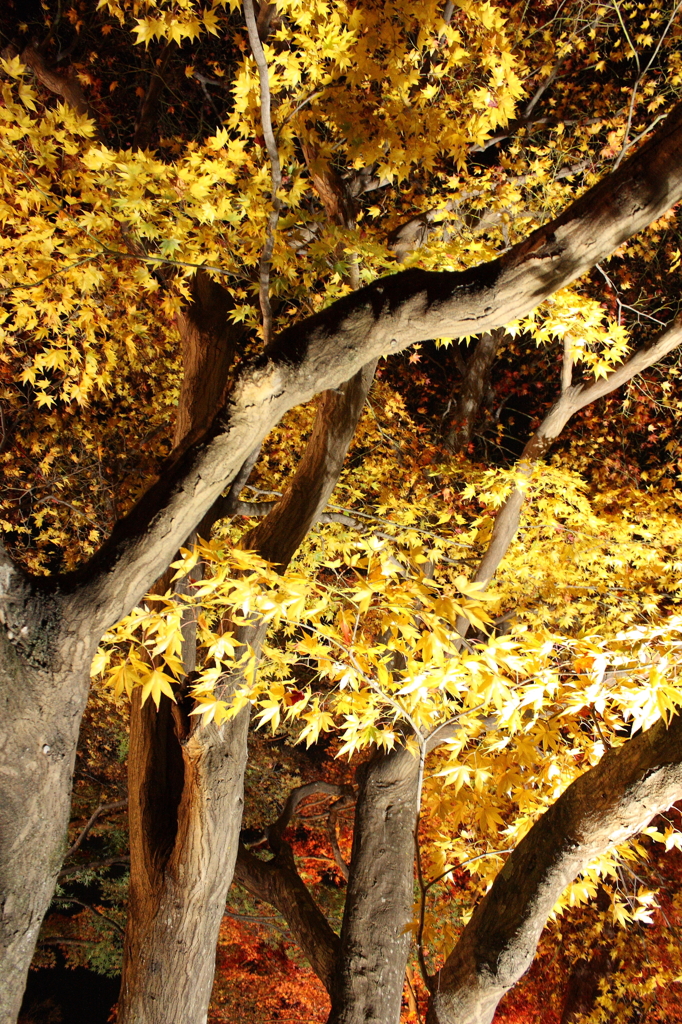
(319, 353)
(473, 389)
(43, 690)
(185, 807)
(186, 782)
(363, 970)
(375, 942)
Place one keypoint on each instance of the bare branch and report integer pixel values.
(117, 805)
(641, 75)
(93, 865)
(567, 364)
(275, 167)
(276, 831)
(89, 906)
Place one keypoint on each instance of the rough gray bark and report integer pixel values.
(318, 354)
(602, 808)
(44, 684)
(370, 974)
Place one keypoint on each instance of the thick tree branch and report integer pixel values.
(67, 86)
(601, 809)
(374, 938)
(186, 803)
(283, 529)
(278, 883)
(326, 349)
(473, 389)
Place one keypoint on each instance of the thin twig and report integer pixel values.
(93, 865)
(469, 860)
(622, 305)
(640, 76)
(56, 941)
(275, 168)
(48, 277)
(89, 906)
(259, 919)
(567, 365)
(117, 805)
(308, 99)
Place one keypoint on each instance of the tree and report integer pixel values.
(109, 246)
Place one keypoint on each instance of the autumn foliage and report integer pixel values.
(141, 176)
